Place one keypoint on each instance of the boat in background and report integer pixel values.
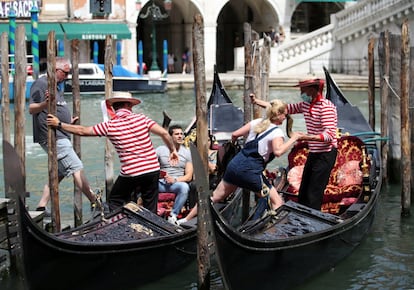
(92, 80)
(282, 249)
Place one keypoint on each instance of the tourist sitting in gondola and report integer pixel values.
(176, 177)
(264, 141)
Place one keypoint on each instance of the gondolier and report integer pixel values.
(321, 124)
(130, 135)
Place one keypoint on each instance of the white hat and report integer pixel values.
(122, 97)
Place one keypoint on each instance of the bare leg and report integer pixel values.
(222, 191)
(83, 184)
(275, 198)
(46, 195)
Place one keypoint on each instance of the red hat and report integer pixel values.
(312, 83)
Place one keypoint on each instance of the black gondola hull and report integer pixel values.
(57, 262)
(283, 249)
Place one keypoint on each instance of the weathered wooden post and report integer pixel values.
(371, 83)
(51, 132)
(20, 98)
(265, 67)
(248, 72)
(5, 100)
(411, 110)
(384, 65)
(203, 201)
(405, 121)
(108, 159)
(77, 192)
(249, 87)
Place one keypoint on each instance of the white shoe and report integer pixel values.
(181, 221)
(172, 219)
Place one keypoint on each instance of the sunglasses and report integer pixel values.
(65, 72)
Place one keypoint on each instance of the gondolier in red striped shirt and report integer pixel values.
(321, 124)
(130, 134)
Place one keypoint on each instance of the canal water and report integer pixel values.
(385, 260)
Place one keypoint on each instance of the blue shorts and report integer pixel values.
(68, 160)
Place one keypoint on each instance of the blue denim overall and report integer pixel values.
(246, 169)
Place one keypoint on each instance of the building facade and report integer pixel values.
(133, 24)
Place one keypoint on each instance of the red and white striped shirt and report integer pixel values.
(130, 135)
(321, 119)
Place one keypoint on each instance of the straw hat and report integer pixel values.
(122, 97)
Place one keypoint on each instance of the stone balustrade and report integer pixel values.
(368, 15)
(346, 25)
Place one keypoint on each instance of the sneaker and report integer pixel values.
(45, 210)
(181, 221)
(172, 219)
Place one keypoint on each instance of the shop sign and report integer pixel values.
(21, 8)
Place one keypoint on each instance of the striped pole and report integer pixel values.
(61, 48)
(140, 58)
(165, 55)
(118, 52)
(12, 37)
(95, 51)
(34, 12)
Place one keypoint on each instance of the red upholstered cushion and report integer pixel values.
(166, 196)
(349, 173)
(294, 177)
(298, 155)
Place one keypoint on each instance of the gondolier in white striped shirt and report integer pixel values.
(321, 125)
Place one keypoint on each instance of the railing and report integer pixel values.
(29, 62)
(304, 48)
(355, 21)
(359, 18)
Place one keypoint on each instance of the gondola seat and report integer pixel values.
(345, 182)
(165, 203)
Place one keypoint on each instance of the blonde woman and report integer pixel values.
(264, 141)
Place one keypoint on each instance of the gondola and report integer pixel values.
(123, 250)
(282, 249)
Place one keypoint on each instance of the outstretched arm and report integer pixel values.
(260, 103)
(160, 131)
(74, 129)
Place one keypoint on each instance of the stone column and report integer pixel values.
(210, 46)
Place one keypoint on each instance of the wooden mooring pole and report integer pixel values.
(20, 98)
(109, 158)
(5, 100)
(405, 122)
(204, 227)
(77, 192)
(51, 132)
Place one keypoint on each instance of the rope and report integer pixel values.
(392, 90)
(390, 87)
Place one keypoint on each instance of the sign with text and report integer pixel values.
(21, 8)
